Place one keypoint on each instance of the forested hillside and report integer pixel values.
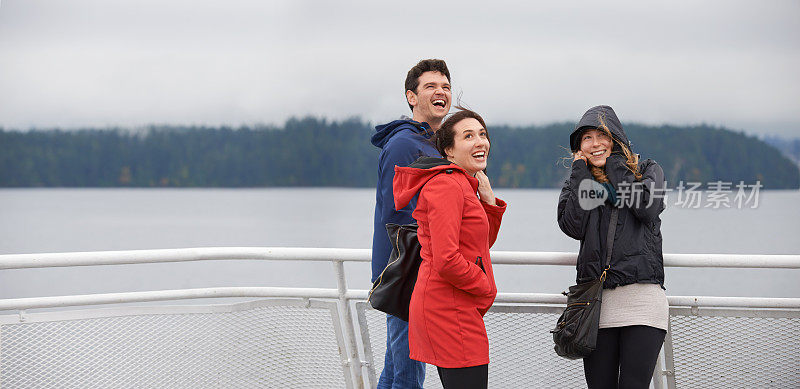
(318, 152)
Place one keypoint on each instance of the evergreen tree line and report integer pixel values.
(318, 152)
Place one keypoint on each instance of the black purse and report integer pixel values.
(391, 291)
(575, 334)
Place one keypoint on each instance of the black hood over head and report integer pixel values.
(591, 119)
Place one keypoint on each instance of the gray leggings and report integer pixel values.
(624, 357)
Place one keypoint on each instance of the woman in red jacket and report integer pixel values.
(455, 285)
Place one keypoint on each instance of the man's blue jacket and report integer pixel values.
(401, 143)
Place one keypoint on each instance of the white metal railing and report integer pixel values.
(360, 370)
(93, 258)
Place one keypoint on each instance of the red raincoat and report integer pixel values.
(455, 285)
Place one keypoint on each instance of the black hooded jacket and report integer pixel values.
(636, 256)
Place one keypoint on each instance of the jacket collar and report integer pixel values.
(408, 181)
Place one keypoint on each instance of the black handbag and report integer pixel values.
(391, 291)
(575, 334)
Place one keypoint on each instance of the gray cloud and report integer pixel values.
(130, 63)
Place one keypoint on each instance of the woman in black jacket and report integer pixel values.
(634, 311)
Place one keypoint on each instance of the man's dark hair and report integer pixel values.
(426, 65)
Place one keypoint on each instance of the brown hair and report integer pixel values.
(632, 162)
(444, 138)
(426, 65)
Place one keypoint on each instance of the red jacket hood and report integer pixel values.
(408, 181)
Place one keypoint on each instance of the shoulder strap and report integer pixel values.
(612, 229)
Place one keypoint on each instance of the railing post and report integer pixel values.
(354, 362)
(669, 356)
(658, 372)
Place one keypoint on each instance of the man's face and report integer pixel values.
(431, 101)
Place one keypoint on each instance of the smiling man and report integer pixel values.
(402, 142)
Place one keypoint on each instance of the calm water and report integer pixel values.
(59, 220)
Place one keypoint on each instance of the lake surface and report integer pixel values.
(61, 220)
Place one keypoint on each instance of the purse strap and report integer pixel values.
(612, 229)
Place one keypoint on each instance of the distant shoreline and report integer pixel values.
(311, 152)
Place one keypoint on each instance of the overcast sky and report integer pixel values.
(131, 63)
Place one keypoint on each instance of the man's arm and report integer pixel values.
(398, 152)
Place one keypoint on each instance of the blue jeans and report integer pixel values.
(399, 371)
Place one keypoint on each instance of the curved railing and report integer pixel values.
(353, 320)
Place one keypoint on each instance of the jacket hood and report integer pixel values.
(591, 119)
(385, 132)
(408, 181)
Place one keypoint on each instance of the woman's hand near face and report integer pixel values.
(485, 188)
(578, 155)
